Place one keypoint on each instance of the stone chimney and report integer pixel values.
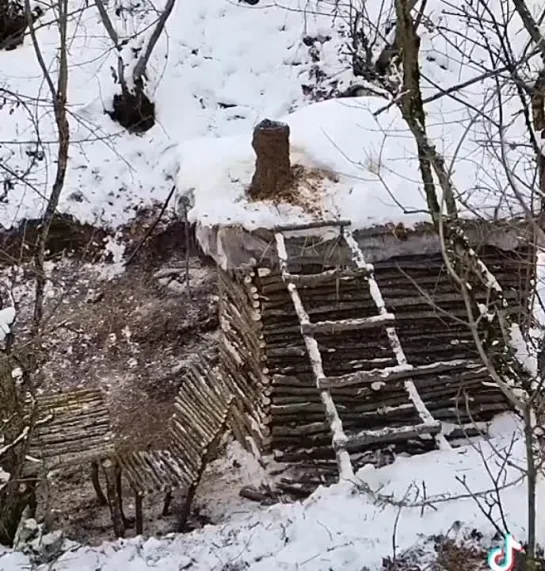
(271, 143)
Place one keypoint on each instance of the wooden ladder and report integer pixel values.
(401, 371)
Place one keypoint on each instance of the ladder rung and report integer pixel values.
(324, 277)
(385, 375)
(391, 434)
(328, 327)
(396, 373)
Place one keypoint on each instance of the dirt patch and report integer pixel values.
(130, 331)
(306, 189)
(129, 335)
(67, 237)
(133, 110)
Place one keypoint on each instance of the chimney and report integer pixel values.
(271, 143)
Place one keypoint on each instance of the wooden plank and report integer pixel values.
(312, 225)
(393, 434)
(308, 280)
(391, 374)
(330, 327)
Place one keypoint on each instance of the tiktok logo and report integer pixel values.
(503, 558)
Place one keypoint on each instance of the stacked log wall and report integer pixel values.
(431, 324)
(243, 360)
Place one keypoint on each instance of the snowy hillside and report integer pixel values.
(221, 67)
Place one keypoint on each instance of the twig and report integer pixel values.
(152, 227)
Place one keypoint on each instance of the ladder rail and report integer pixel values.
(346, 471)
(391, 332)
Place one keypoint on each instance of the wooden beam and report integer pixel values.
(306, 280)
(138, 516)
(392, 374)
(392, 434)
(312, 225)
(330, 327)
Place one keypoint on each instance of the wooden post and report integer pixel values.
(185, 512)
(32, 500)
(102, 501)
(114, 500)
(192, 490)
(272, 167)
(166, 503)
(138, 513)
(119, 493)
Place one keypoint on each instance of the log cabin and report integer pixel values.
(343, 337)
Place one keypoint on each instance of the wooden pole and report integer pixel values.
(166, 503)
(95, 479)
(113, 497)
(119, 494)
(138, 513)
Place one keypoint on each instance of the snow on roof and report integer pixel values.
(208, 76)
(410, 500)
(373, 156)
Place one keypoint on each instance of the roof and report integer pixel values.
(372, 155)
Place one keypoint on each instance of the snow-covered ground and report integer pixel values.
(402, 504)
(223, 66)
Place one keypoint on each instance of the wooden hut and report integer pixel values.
(356, 335)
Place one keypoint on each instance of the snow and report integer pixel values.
(212, 82)
(374, 156)
(339, 527)
(7, 317)
(209, 76)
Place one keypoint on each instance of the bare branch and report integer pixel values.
(140, 67)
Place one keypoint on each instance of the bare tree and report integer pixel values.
(513, 77)
(490, 324)
(17, 393)
(58, 96)
(132, 108)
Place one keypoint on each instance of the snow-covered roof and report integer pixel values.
(368, 148)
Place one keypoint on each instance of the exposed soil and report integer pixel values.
(129, 331)
(134, 111)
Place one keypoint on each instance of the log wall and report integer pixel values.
(243, 360)
(271, 368)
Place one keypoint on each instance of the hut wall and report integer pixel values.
(431, 325)
(264, 359)
(243, 360)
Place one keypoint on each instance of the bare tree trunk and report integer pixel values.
(58, 95)
(412, 109)
(141, 65)
(17, 492)
(133, 108)
(538, 92)
(531, 485)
